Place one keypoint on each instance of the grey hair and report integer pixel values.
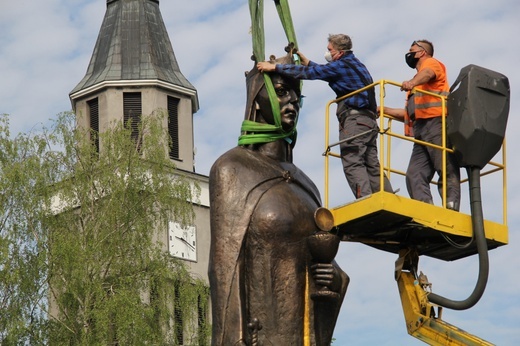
(340, 42)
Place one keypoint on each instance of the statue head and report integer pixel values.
(288, 94)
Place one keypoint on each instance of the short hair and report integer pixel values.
(340, 41)
(427, 45)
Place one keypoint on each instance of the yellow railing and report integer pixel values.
(385, 144)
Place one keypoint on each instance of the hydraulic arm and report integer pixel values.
(421, 319)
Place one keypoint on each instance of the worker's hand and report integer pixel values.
(326, 274)
(407, 85)
(303, 58)
(264, 66)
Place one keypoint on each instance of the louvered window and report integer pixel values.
(173, 126)
(178, 320)
(202, 319)
(93, 109)
(155, 301)
(132, 111)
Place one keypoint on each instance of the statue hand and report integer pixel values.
(326, 274)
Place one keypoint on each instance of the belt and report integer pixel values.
(356, 111)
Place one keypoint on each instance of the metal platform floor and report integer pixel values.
(390, 222)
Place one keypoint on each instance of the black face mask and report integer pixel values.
(410, 59)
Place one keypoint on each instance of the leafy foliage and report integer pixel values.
(81, 261)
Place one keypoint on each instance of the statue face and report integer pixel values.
(287, 98)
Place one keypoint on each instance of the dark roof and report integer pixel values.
(133, 44)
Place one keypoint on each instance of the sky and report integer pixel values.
(46, 45)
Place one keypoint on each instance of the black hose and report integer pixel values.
(477, 220)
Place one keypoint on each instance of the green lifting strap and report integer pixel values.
(252, 132)
(282, 6)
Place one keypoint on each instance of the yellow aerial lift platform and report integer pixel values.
(391, 222)
(394, 223)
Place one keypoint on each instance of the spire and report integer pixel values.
(133, 46)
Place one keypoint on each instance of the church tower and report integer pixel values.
(133, 71)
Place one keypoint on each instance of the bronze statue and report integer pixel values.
(262, 212)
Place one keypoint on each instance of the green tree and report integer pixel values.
(80, 260)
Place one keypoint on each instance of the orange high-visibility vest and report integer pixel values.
(427, 106)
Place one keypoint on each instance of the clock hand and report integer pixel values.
(185, 242)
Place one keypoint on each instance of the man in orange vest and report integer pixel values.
(422, 116)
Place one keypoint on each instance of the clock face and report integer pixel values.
(182, 242)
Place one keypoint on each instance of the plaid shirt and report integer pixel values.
(341, 78)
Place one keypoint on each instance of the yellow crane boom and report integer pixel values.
(421, 320)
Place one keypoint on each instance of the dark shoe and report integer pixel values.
(452, 205)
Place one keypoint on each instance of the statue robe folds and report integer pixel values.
(262, 212)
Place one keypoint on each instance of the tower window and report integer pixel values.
(202, 319)
(93, 110)
(132, 111)
(173, 126)
(178, 318)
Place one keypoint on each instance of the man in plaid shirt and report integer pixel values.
(358, 127)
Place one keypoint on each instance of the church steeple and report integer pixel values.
(133, 71)
(133, 45)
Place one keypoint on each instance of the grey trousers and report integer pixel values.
(425, 161)
(359, 155)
